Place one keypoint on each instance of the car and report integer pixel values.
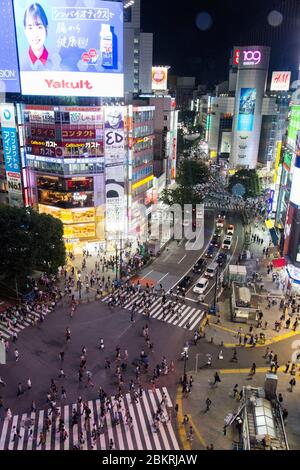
(201, 285)
(211, 270)
(220, 222)
(230, 229)
(210, 251)
(201, 263)
(221, 258)
(227, 242)
(184, 283)
(216, 240)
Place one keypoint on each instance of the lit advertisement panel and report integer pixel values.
(159, 78)
(9, 69)
(246, 109)
(70, 47)
(280, 81)
(295, 192)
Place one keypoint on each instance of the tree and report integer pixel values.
(191, 173)
(181, 195)
(245, 183)
(29, 241)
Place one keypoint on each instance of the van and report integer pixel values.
(201, 285)
(211, 270)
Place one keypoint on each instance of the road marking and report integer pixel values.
(191, 300)
(181, 259)
(147, 275)
(163, 278)
(200, 438)
(247, 371)
(185, 445)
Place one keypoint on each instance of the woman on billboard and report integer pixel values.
(36, 29)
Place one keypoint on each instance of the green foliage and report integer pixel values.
(191, 173)
(249, 179)
(29, 241)
(181, 195)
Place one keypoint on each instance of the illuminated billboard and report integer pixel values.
(246, 109)
(280, 81)
(159, 78)
(70, 47)
(9, 70)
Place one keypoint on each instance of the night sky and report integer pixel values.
(190, 51)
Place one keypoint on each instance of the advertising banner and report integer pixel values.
(246, 109)
(70, 47)
(114, 168)
(9, 70)
(9, 138)
(280, 81)
(226, 142)
(159, 78)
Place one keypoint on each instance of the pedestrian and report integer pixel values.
(235, 390)
(234, 358)
(208, 403)
(16, 353)
(185, 419)
(61, 374)
(292, 383)
(253, 369)
(20, 389)
(28, 384)
(217, 379)
(101, 346)
(62, 356)
(190, 435)
(63, 393)
(111, 444)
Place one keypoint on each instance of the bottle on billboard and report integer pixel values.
(106, 46)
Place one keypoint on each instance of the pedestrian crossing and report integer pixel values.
(183, 316)
(139, 435)
(6, 331)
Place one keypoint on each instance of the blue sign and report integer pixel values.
(70, 47)
(9, 69)
(11, 150)
(246, 109)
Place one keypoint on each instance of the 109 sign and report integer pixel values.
(252, 57)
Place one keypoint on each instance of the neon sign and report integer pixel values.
(252, 57)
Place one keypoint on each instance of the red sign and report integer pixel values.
(79, 134)
(40, 132)
(236, 57)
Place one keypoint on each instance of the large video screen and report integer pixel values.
(246, 109)
(70, 47)
(9, 70)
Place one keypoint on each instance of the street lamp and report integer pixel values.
(185, 350)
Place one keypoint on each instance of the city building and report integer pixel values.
(138, 52)
(182, 88)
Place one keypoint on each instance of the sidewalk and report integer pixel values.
(208, 426)
(224, 330)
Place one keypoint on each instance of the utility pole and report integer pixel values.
(116, 262)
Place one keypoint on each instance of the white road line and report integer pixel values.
(181, 259)
(22, 432)
(109, 427)
(197, 321)
(102, 436)
(161, 426)
(30, 440)
(170, 428)
(39, 430)
(187, 316)
(11, 443)
(66, 443)
(192, 300)
(134, 422)
(57, 434)
(144, 426)
(82, 420)
(192, 319)
(118, 429)
(182, 316)
(170, 403)
(163, 278)
(3, 434)
(150, 419)
(146, 275)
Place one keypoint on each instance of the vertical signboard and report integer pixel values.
(70, 47)
(246, 109)
(159, 78)
(11, 154)
(9, 69)
(114, 167)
